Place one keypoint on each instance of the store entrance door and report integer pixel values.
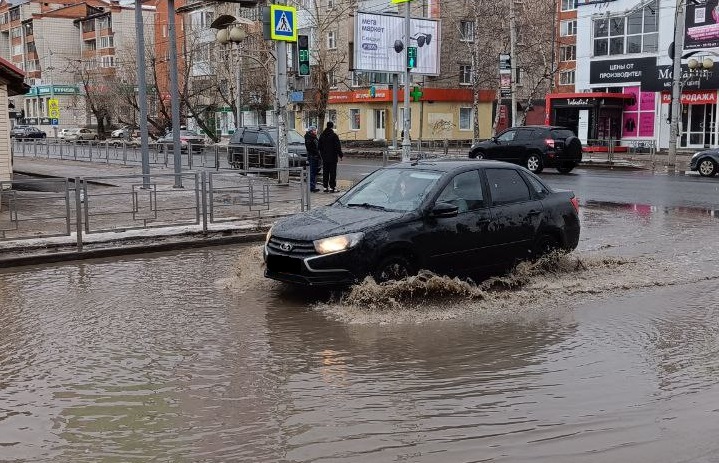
(698, 126)
(379, 124)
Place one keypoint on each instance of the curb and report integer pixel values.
(122, 250)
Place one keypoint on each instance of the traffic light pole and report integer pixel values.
(174, 94)
(407, 121)
(142, 95)
(282, 152)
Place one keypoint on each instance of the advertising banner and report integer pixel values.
(380, 43)
(702, 25)
(621, 70)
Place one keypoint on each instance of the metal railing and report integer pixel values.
(122, 203)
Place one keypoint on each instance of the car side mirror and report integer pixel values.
(444, 210)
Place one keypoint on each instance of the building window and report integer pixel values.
(107, 41)
(355, 119)
(164, 31)
(466, 31)
(634, 33)
(17, 49)
(330, 4)
(107, 61)
(566, 78)
(568, 28)
(15, 14)
(568, 53)
(28, 28)
(365, 79)
(332, 115)
(465, 118)
(15, 32)
(201, 19)
(331, 40)
(569, 5)
(103, 23)
(465, 74)
(332, 79)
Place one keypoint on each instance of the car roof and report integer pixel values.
(450, 165)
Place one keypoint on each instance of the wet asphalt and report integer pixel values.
(609, 354)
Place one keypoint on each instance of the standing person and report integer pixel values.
(331, 152)
(313, 156)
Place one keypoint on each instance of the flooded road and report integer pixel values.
(609, 354)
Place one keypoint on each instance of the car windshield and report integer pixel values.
(562, 133)
(392, 189)
(187, 133)
(293, 138)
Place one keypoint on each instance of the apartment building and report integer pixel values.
(60, 44)
(566, 46)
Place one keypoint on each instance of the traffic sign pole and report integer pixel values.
(406, 149)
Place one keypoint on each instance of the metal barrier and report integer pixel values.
(118, 151)
(35, 209)
(90, 205)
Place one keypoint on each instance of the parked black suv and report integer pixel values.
(261, 144)
(451, 217)
(534, 147)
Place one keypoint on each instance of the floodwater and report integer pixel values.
(608, 354)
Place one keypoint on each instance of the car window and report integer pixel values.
(295, 138)
(463, 191)
(507, 136)
(237, 136)
(507, 186)
(535, 184)
(524, 134)
(249, 137)
(263, 139)
(559, 134)
(392, 189)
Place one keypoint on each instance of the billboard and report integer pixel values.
(702, 25)
(380, 44)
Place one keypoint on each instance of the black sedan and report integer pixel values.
(705, 162)
(451, 217)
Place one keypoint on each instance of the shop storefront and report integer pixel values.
(435, 113)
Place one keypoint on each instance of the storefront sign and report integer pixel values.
(663, 80)
(53, 90)
(707, 97)
(702, 25)
(621, 70)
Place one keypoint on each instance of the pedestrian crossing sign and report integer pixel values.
(284, 23)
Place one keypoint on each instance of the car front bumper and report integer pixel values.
(694, 164)
(317, 270)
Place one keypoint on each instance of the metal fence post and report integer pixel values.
(203, 187)
(78, 213)
(217, 158)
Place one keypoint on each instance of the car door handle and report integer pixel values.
(535, 212)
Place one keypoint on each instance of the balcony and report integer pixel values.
(89, 35)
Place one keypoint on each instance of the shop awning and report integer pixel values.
(589, 100)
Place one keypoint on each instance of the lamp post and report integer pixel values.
(236, 35)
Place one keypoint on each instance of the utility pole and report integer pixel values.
(513, 55)
(174, 94)
(238, 103)
(676, 84)
(395, 109)
(407, 121)
(142, 94)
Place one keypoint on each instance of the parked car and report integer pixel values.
(26, 131)
(534, 147)
(124, 132)
(63, 133)
(261, 142)
(451, 217)
(187, 138)
(81, 134)
(705, 162)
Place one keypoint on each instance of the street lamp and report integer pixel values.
(234, 34)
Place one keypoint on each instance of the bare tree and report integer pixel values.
(329, 54)
(97, 88)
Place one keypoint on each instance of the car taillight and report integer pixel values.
(549, 142)
(575, 203)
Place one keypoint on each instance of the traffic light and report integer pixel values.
(303, 54)
(411, 57)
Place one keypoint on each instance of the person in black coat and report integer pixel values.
(313, 156)
(331, 152)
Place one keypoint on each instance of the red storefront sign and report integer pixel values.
(702, 97)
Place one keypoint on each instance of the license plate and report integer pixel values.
(284, 264)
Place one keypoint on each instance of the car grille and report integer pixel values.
(297, 248)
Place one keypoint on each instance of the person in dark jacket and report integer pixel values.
(313, 156)
(331, 152)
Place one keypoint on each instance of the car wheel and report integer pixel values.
(476, 154)
(707, 167)
(534, 163)
(545, 244)
(566, 168)
(393, 267)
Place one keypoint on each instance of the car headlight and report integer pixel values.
(337, 243)
(268, 236)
